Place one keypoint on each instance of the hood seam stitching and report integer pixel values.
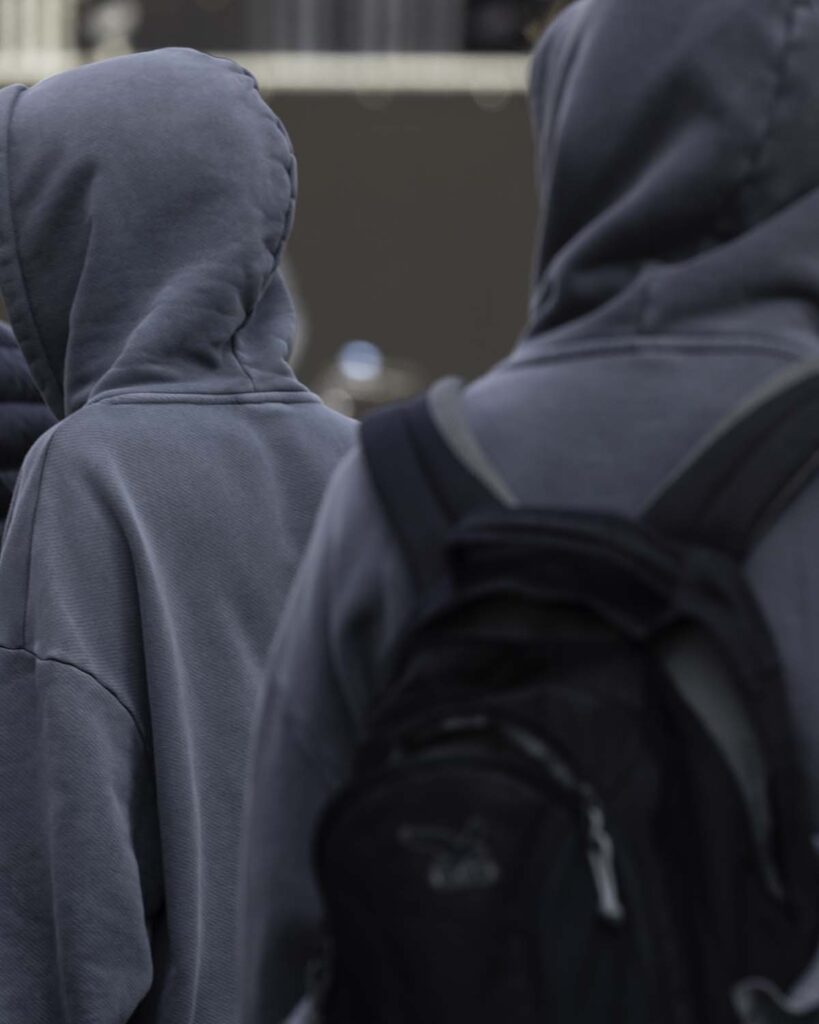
(288, 223)
(20, 295)
(754, 160)
(759, 150)
(235, 353)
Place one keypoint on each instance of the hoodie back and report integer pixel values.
(144, 206)
(676, 270)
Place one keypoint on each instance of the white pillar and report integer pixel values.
(51, 24)
(9, 25)
(29, 25)
(68, 19)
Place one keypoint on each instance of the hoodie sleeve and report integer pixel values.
(326, 664)
(77, 842)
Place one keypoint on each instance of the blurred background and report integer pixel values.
(411, 251)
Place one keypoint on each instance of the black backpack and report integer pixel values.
(578, 801)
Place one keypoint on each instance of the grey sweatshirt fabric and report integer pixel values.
(144, 206)
(677, 269)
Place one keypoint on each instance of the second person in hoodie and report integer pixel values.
(146, 204)
(677, 159)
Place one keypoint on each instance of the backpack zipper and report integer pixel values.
(600, 848)
(603, 867)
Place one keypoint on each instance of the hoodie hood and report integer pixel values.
(677, 156)
(144, 205)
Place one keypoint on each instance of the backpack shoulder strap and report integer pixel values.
(744, 475)
(5, 497)
(428, 473)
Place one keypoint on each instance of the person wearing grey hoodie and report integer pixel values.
(676, 271)
(23, 416)
(144, 206)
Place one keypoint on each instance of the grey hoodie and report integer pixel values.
(677, 269)
(144, 206)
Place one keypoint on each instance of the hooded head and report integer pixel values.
(678, 163)
(144, 205)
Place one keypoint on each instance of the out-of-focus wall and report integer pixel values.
(414, 228)
(374, 25)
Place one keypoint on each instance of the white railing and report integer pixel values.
(383, 74)
(29, 27)
(380, 75)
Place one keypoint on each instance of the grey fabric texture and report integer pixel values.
(676, 270)
(144, 205)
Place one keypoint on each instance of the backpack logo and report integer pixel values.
(457, 861)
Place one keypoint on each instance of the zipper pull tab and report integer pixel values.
(603, 869)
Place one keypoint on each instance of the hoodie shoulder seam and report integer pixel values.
(24, 649)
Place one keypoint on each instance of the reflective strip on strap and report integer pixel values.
(449, 416)
(703, 682)
(759, 1001)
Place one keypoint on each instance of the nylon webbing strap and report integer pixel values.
(701, 679)
(748, 470)
(423, 487)
(5, 500)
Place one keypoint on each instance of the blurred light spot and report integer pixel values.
(360, 361)
(492, 102)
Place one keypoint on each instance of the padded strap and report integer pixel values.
(447, 411)
(748, 470)
(422, 483)
(429, 472)
(698, 673)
